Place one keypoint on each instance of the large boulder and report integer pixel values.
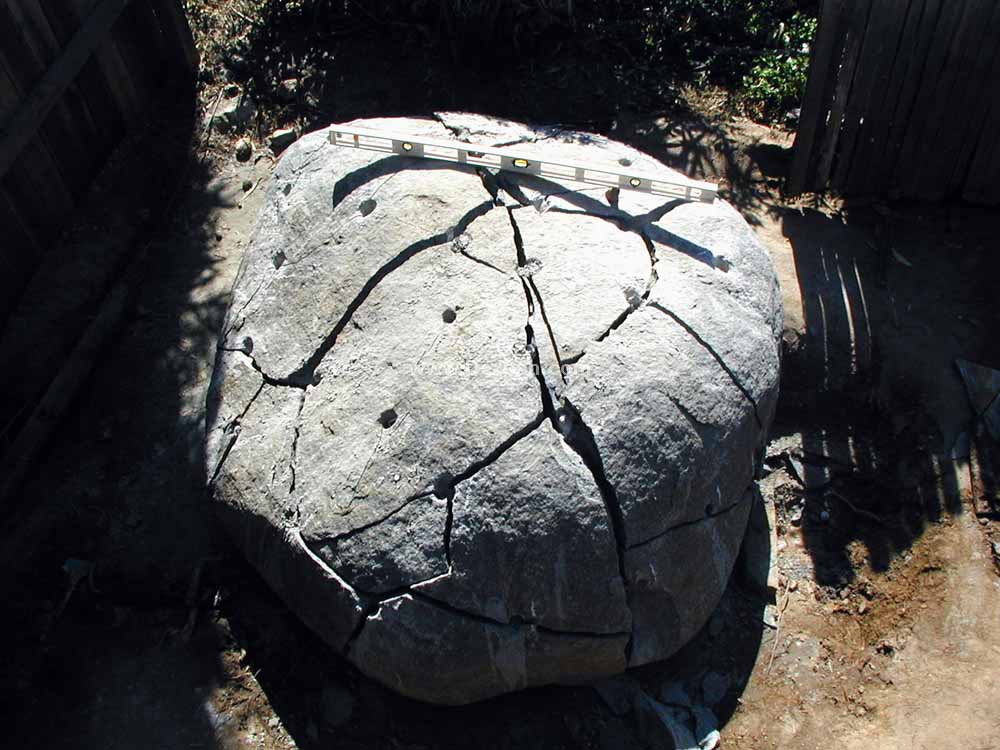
(487, 431)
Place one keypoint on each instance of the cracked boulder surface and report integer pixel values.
(485, 431)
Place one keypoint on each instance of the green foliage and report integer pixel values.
(627, 54)
(777, 79)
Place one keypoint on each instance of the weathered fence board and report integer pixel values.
(901, 101)
(75, 75)
(887, 101)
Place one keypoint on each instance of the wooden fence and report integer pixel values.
(903, 100)
(75, 76)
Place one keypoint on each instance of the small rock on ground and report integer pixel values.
(282, 139)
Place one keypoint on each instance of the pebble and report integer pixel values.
(281, 139)
(288, 89)
(244, 150)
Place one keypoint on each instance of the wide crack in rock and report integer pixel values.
(664, 462)
(565, 419)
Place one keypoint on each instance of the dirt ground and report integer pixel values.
(130, 622)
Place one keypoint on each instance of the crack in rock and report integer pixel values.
(477, 466)
(580, 438)
(532, 293)
(568, 422)
(306, 374)
(707, 517)
(297, 512)
(443, 488)
(715, 355)
(461, 245)
(634, 304)
(233, 431)
(373, 606)
(295, 443)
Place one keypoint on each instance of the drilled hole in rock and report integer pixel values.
(444, 486)
(248, 345)
(388, 418)
(367, 206)
(278, 259)
(709, 509)
(625, 162)
(449, 315)
(287, 188)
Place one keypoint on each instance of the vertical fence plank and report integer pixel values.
(878, 52)
(913, 76)
(822, 74)
(915, 144)
(979, 72)
(130, 38)
(18, 254)
(857, 21)
(177, 35)
(981, 182)
(986, 130)
(868, 162)
(946, 122)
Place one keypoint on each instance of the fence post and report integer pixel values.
(177, 33)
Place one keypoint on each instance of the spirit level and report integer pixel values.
(515, 161)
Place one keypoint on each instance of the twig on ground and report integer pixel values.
(777, 630)
(211, 118)
(860, 511)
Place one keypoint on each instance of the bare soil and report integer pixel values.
(881, 631)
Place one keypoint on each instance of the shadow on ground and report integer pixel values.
(102, 542)
(874, 422)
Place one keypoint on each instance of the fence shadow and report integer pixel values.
(873, 417)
